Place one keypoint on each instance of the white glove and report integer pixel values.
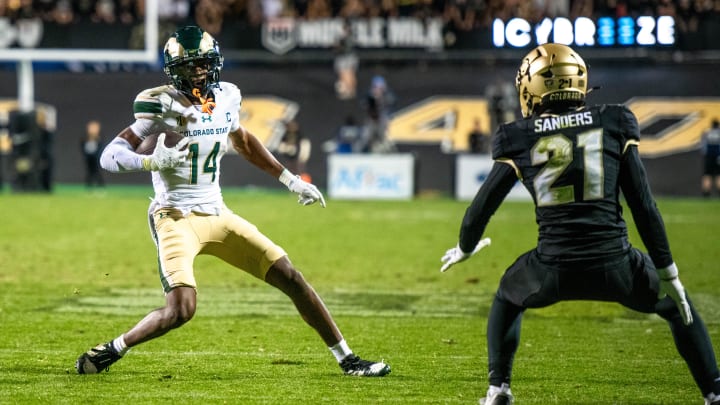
(456, 255)
(164, 157)
(307, 193)
(670, 285)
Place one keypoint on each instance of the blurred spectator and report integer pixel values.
(173, 10)
(478, 140)
(18, 9)
(294, 149)
(687, 21)
(63, 13)
(318, 9)
(378, 104)
(46, 129)
(461, 15)
(352, 9)
(554, 8)
(209, 15)
(346, 64)
(273, 9)
(711, 159)
(666, 7)
(586, 8)
(348, 136)
(91, 146)
(104, 12)
(503, 100)
(127, 11)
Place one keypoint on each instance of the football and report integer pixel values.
(147, 146)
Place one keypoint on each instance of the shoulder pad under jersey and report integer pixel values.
(152, 103)
(230, 92)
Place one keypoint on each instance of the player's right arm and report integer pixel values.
(498, 184)
(119, 155)
(149, 108)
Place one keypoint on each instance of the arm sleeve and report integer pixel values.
(118, 156)
(499, 182)
(649, 222)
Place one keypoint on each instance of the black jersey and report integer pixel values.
(573, 166)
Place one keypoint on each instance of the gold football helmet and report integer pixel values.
(551, 74)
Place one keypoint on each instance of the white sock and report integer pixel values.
(120, 346)
(340, 350)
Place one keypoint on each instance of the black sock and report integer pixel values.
(694, 345)
(503, 335)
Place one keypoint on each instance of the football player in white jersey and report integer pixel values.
(188, 216)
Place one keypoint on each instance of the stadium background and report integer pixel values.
(465, 68)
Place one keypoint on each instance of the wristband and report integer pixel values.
(668, 273)
(286, 178)
(146, 164)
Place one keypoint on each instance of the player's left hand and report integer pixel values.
(456, 255)
(670, 285)
(307, 192)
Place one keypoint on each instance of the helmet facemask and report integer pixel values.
(551, 77)
(193, 61)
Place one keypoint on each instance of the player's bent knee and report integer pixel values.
(178, 316)
(180, 306)
(284, 276)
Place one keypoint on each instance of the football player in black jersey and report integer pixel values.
(575, 160)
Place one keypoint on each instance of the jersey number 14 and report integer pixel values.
(208, 167)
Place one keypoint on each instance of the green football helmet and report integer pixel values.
(551, 76)
(188, 49)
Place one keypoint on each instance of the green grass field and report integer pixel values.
(78, 268)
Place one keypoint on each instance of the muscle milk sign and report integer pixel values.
(284, 34)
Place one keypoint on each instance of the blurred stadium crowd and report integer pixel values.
(462, 15)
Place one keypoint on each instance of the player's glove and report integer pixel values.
(307, 193)
(164, 157)
(456, 255)
(670, 285)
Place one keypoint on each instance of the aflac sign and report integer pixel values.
(359, 176)
(471, 171)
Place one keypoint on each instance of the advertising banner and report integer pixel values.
(359, 176)
(471, 172)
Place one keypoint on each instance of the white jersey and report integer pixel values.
(194, 185)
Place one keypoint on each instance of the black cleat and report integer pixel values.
(354, 365)
(97, 359)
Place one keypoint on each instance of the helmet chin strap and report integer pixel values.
(208, 104)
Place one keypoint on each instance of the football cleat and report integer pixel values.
(354, 365)
(712, 399)
(97, 359)
(498, 396)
